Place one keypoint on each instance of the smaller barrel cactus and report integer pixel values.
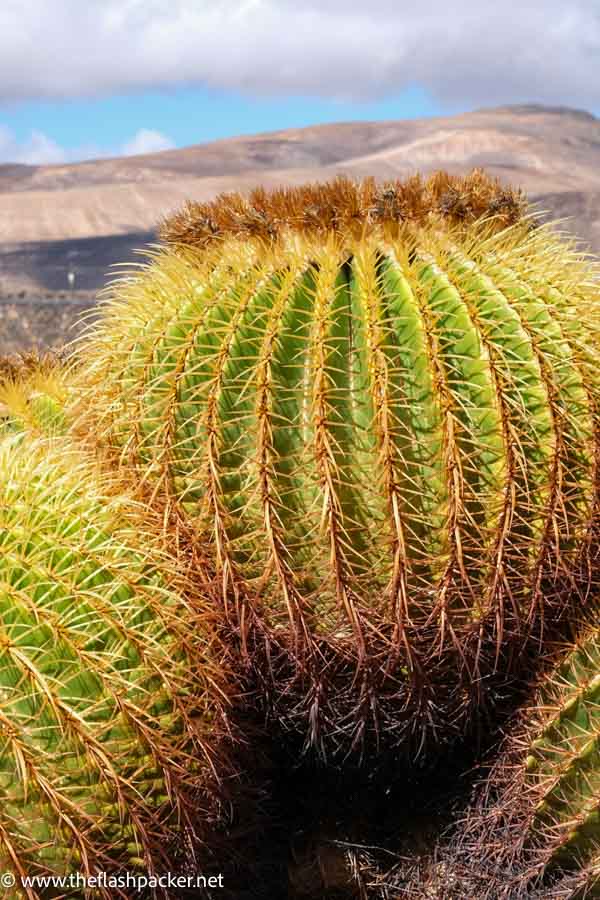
(563, 764)
(107, 690)
(534, 829)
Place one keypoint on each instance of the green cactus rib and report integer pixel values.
(104, 705)
(534, 374)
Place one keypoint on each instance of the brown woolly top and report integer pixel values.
(343, 205)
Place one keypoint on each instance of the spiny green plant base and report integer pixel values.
(383, 427)
(563, 763)
(35, 394)
(107, 690)
(563, 768)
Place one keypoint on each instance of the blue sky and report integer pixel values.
(189, 115)
(80, 80)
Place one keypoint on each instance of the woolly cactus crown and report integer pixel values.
(344, 206)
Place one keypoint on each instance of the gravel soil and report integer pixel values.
(45, 321)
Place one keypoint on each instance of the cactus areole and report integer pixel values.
(378, 406)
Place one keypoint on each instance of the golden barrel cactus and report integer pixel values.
(377, 407)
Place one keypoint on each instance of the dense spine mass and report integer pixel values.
(385, 429)
(105, 675)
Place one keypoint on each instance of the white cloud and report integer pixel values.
(40, 149)
(146, 140)
(37, 149)
(471, 52)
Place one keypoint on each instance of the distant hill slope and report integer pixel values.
(554, 153)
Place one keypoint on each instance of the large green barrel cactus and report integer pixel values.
(107, 690)
(379, 414)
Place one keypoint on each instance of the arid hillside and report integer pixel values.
(87, 216)
(553, 153)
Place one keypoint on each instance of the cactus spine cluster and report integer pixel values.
(105, 709)
(378, 413)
